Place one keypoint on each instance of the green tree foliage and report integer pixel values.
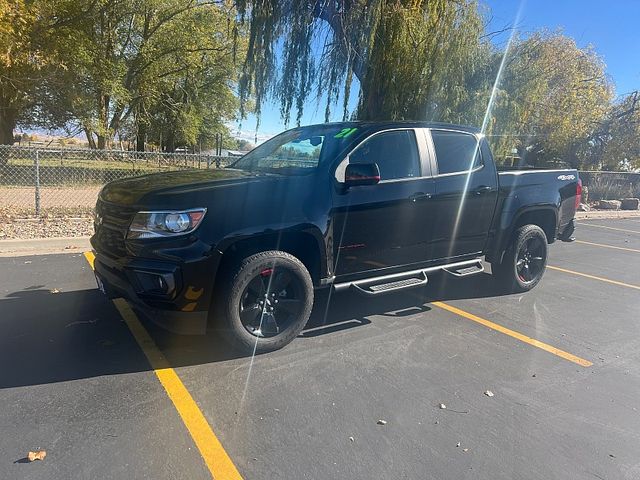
(400, 52)
(428, 60)
(550, 101)
(163, 68)
(617, 140)
(26, 63)
(165, 72)
(16, 64)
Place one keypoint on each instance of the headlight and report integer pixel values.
(165, 224)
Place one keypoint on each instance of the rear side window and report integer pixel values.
(395, 152)
(455, 151)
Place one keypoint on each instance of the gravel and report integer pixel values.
(15, 224)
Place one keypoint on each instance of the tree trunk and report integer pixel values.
(103, 118)
(7, 125)
(90, 139)
(170, 143)
(141, 137)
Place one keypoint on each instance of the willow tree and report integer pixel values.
(551, 100)
(409, 59)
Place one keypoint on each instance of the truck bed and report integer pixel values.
(540, 187)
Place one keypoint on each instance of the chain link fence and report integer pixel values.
(44, 182)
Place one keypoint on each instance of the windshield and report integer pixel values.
(296, 151)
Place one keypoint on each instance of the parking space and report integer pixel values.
(562, 362)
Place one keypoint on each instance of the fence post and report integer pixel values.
(37, 165)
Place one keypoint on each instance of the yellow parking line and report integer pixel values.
(218, 462)
(512, 333)
(608, 246)
(609, 228)
(593, 277)
(90, 258)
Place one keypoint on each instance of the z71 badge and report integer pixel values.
(566, 177)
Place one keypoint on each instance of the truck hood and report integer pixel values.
(162, 187)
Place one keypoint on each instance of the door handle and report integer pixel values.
(419, 196)
(482, 189)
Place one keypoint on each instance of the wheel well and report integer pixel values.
(544, 218)
(301, 245)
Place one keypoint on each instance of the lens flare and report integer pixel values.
(483, 129)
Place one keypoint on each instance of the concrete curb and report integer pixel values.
(43, 246)
(604, 214)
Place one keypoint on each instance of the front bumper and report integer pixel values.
(175, 297)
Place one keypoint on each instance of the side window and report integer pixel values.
(395, 152)
(456, 151)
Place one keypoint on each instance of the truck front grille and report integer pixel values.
(111, 228)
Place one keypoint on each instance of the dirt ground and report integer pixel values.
(66, 212)
(50, 197)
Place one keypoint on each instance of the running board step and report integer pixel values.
(408, 279)
(397, 285)
(387, 286)
(465, 270)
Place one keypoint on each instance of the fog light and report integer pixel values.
(152, 283)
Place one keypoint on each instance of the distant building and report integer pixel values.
(225, 153)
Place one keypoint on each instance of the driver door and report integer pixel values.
(384, 225)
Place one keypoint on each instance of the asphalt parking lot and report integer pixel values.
(562, 362)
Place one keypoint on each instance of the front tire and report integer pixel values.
(524, 261)
(266, 302)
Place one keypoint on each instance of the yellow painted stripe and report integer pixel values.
(218, 462)
(609, 228)
(593, 277)
(90, 258)
(512, 333)
(635, 250)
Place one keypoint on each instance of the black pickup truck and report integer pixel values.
(368, 207)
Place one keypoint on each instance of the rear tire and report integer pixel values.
(265, 302)
(524, 261)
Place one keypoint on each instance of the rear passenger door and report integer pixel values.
(465, 194)
(383, 226)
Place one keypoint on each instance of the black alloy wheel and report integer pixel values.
(265, 301)
(525, 260)
(530, 261)
(271, 302)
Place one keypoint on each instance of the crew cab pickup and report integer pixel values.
(368, 207)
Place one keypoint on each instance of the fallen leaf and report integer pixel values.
(382, 422)
(37, 455)
(54, 290)
(352, 439)
(489, 393)
(465, 449)
(458, 444)
(443, 406)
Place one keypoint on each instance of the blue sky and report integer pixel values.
(612, 27)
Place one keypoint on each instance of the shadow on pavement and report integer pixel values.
(47, 338)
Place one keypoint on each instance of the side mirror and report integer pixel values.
(361, 174)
